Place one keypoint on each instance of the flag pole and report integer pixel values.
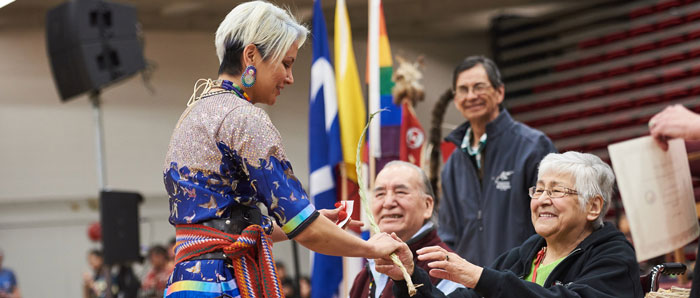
(344, 197)
(371, 159)
(343, 181)
(373, 88)
(372, 169)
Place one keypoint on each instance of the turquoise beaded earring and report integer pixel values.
(248, 77)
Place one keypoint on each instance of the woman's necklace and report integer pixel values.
(208, 84)
(232, 87)
(538, 261)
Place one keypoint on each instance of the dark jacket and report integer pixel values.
(602, 265)
(363, 280)
(481, 219)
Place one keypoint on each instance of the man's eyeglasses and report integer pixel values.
(555, 192)
(478, 89)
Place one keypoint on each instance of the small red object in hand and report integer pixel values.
(342, 215)
(345, 209)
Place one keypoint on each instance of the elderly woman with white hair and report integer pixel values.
(574, 254)
(226, 161)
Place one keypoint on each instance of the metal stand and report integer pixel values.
(99, 146)
(101, 172)
(296, 266)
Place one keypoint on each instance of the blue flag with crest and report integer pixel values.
(324, 151)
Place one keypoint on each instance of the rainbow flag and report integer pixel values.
(384, 132)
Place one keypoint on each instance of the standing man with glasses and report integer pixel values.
(485, 207)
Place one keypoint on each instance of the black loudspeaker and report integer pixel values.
(91, 44)
(119, 217)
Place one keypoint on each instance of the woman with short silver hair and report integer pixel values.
(574, 253)
(226, 161)
(592, 178)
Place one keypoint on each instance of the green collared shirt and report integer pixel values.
(543, 271)
(473, 151)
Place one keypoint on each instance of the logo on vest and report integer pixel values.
(503, 180)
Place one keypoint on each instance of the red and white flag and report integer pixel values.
(412, 136)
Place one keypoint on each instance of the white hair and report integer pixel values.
(591, 175)
(427, 188)
(272, 29)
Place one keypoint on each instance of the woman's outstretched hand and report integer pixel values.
(382, 245)
(335, 214)
(386, 266)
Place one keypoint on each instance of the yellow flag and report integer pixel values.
(351, 104)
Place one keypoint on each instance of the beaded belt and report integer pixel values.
(241, 217)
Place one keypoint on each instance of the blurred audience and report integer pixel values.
(154, 283)
(304, 287)
(171, 252)
(8, 281)
(288, 288)
(94, 281)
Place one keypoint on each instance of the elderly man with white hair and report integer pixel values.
(403, 204)
(574, 253)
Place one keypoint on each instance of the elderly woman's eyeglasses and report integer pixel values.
(478, 89)
(555, 192)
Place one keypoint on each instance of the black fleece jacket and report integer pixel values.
(602, 265)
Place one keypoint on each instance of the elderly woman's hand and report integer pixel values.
(386, 266)
(450, 266)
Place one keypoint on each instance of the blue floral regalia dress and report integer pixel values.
(225, 152)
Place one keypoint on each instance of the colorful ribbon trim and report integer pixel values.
(250, 253)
